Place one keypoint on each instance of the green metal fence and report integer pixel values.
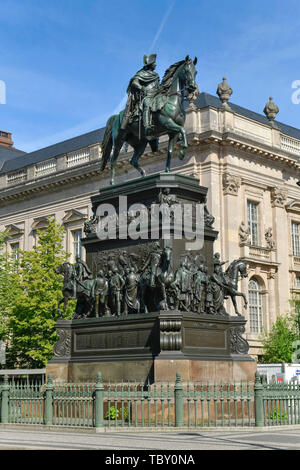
(175, 404)
(277, 403)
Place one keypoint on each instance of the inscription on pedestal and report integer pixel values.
(205, 338)
(85, 341)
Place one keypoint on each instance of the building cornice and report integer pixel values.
(245, 144)
(206, 139)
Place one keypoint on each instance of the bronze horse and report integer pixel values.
(168, 118)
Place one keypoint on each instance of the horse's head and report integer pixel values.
(183, 71)
(237, 266)
(189, 74)
(64, 268)
(166, 257)
(243, 268)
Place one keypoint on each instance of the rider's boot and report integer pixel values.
(149, 129)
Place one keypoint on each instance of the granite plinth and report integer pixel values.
(152, 347)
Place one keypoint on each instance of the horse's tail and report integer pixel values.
(107, 142)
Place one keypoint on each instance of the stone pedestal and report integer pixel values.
(150, 190)
(203, 344)
(152, 347)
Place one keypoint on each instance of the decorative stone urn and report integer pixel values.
(271, 110)
(224, 92)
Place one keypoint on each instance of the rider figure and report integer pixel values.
(142, 87)
(153, 260)
(82, 271)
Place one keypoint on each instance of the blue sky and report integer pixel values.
(66, 64)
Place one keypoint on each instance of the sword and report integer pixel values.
(140, 116)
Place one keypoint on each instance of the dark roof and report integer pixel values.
(52, 151)
(205, 99)
(11, 162)
(8, 153)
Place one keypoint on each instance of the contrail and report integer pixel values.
(161, 27)
(122, 103)
(68, 133)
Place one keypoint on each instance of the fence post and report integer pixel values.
(178, 397)
(5, 400)
(258, 401)
(49, 402)
(99, 401)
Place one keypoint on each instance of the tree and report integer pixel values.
(8, 266)
(278, 344)
(37, 291)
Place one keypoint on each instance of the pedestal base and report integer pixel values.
(157, 371)
(152, 347)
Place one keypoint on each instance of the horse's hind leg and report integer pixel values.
(117, 147)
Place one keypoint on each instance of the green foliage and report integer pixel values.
(112, 414)
(278, 345)
(277, 415)
(8, 266)
(37, 289)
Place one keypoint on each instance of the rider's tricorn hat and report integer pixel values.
(149, 59)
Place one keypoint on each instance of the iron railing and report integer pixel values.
(158, 405)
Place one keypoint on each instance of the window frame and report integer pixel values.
(255, 319)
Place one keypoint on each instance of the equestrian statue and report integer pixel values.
(152, 109)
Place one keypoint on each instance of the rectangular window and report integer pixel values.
(297, 282)
(15, 247)
(253, 222)
(296, 238)
(76, 244)
(255, 307)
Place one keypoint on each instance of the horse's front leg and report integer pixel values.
(240, 294)
(172, 142)
(170, 125)
(163, 305)
(184, 144)
(235, 305)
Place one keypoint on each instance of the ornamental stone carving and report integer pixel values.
(278, 197)
(271, 110)
(231, 184)
(269, 238)
(244, 234)
(224, 92)
(170, 336)
(63, 346)
(238, 344)
(191, 97)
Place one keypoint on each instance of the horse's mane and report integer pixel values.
(232, 265)
(168, 76)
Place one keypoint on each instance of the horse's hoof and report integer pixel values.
(181, 155)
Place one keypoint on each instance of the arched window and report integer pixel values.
(255, 306)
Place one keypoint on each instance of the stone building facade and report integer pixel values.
(249, 163)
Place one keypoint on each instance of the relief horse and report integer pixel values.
(74, 288)
(156, 298)
(236, 268)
